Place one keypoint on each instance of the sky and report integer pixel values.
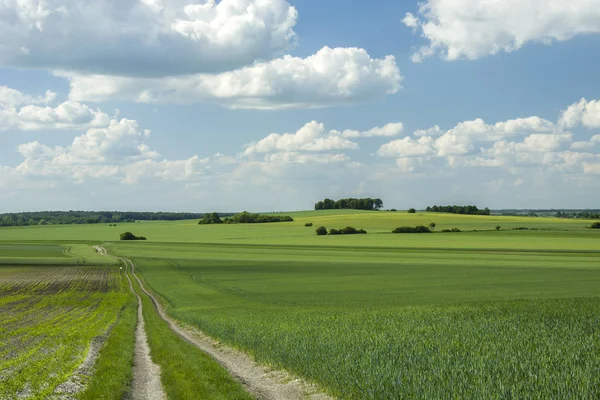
(272, 105)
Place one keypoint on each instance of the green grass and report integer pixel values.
(386, 322)
(113, 369)
(186, 371)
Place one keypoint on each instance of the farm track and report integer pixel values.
(146, 383)
(260, 381)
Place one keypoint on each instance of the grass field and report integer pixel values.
(476, 314)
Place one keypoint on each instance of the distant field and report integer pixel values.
(378, 224)
(48, 317)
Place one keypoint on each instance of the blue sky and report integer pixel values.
(273, 105)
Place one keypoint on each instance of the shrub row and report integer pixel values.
(411, 229)
(322, 231)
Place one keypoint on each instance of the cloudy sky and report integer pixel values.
(202, 105)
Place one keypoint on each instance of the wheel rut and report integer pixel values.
(146, 384)
(262, 382)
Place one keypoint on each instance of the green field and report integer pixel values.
(476, 314)
(48, 317)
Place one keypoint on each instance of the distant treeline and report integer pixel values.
(471, 210)
(243, 218)
(89, 217)
(581, 215)
(350, 204)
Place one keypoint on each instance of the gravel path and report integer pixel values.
(146, 383)
(264, 383)
(260, 381)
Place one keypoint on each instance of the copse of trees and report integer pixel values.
(210, 219)
(321, 231)
(595, 225)
(412, 211)
(470, 210)
(89, 217)
(350, 204)
(251, 218)
(131, 236)
(411, 229)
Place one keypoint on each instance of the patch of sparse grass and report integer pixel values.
(113, 369)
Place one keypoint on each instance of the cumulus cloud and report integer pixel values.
(25, 112)
(408, 147)
(311, 137)
(329, 77)
(522, 142)
(473, 29)
(583, 113)
(147, 37)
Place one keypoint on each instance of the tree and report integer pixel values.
(321, 231)
(498, 227)
(432, 225)
(412, 211)
(210, 219)
(131, 236)
(596, 225)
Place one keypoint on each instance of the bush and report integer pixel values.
(131, 236)
(498, 227)
(393, 209)
(596, 225)
(347, 231)
(412, 211)
(308, 224)
(321, 231)
(451, 230)
(410, 229)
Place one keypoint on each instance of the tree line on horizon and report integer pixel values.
(89, 217)
(350, 204)
(243, 218)
(469, 210)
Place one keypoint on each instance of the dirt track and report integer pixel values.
(260, 381)
(146, 383)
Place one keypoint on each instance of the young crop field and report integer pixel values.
(49, 316)
(509, 314)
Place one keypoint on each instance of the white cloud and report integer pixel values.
(329, 77)
(311, 137)
(25, 112)
(124, 37)
(13, 98)
(302, 158)
(482, 131)
(407, 147)
(433, 131)
(391, 129)
(583, 113)
(474, 29)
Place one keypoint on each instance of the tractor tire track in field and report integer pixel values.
(146, 384)
(260, 381)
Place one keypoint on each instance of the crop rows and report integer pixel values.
(48, 317)
(524, 349)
